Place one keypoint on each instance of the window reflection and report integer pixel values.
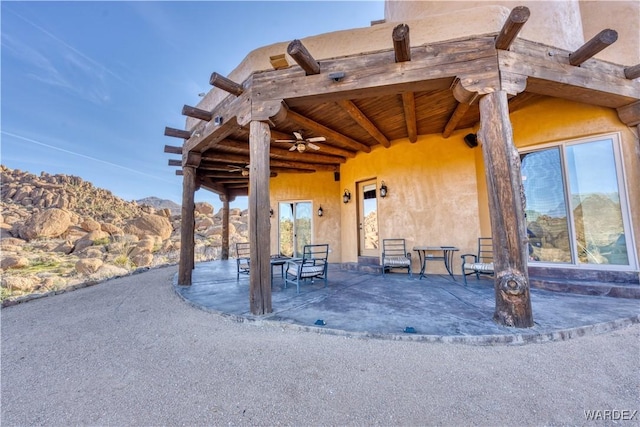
(596, 233)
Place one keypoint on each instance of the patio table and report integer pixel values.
(279, 260)
(424, 253)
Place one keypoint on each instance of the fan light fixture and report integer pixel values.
(301, 147)
(383, 190)
(320, 211)
(346, 196)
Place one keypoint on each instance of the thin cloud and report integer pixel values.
(33, 141)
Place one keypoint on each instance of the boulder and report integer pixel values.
(143, 259)
(88, 266)
(23, 284)
(204, 208)
(13, 262)
(113, 230)
(203, 223)
(89, 239)
(89, 224)
(65, 247)
(48, 223)
(149, 225)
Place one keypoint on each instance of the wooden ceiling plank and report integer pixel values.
(409, 104)
(361, 119)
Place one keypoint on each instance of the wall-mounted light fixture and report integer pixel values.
(271, 212)
(337, 76)
(320, 211)
(383, 190)
(346, 196)
(471, 139)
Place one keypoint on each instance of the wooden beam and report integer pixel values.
(187, 228)
(431, 68)
(197, 113)
(512, 26)
(630, 114)
(458, 114)
(175, 162)
(228, 85)
(179, 172)
(279, 62)
(177, 133)
(401, 44)
(259, 222)
(506, 211)
(303, 58)
(465, 99)
(361, 119)
(632, 72)
(588, 50)
(330, 134)
(172, 149)
(409, 105)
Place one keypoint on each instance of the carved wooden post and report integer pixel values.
(187, 229)
(506, 207)
(224, 254)
(259, 223)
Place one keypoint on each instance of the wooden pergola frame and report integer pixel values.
(482, 78)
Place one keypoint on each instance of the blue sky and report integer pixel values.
(88, 87)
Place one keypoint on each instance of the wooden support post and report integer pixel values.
(197, 113)
(259, 222)
(512, 26)
(303, 58)
(601, 40)
(177, 133)
(224, 253)
(187, 240)
(401, 44)
(506, 210)
(632, 72)
(228, 85)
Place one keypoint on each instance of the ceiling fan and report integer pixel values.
(242, 169)
(301, 143)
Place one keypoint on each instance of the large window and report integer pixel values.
(576, 204)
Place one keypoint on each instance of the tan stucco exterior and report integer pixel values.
(563, 24)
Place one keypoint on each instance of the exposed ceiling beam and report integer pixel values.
(409, 106)
(361, 119)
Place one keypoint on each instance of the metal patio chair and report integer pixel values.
(395, 255)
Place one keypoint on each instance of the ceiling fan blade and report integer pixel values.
(298, 136)
(285, 140)
(293, 147)
(317, 139)
(312, 146)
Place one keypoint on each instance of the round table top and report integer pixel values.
(435, 248)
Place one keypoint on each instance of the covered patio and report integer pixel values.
(385, 106)
(395, 306)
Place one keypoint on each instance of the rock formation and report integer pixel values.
(59, 232)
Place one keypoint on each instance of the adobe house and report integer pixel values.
(515, 120)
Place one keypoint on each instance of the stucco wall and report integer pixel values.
(322, 190)
(564, 24)
(432, 197)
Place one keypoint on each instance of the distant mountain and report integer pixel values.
(159, 204)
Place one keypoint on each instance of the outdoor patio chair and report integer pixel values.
(243, 254)
(479, 263)
(313, 265)
(395, 255)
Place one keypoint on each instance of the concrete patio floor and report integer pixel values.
(437, 308)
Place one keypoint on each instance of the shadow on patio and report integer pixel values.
(437, 308)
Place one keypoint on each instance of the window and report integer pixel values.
(576, 204)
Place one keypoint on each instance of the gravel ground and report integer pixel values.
(130, 352)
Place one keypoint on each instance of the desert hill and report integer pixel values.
(59, 232)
